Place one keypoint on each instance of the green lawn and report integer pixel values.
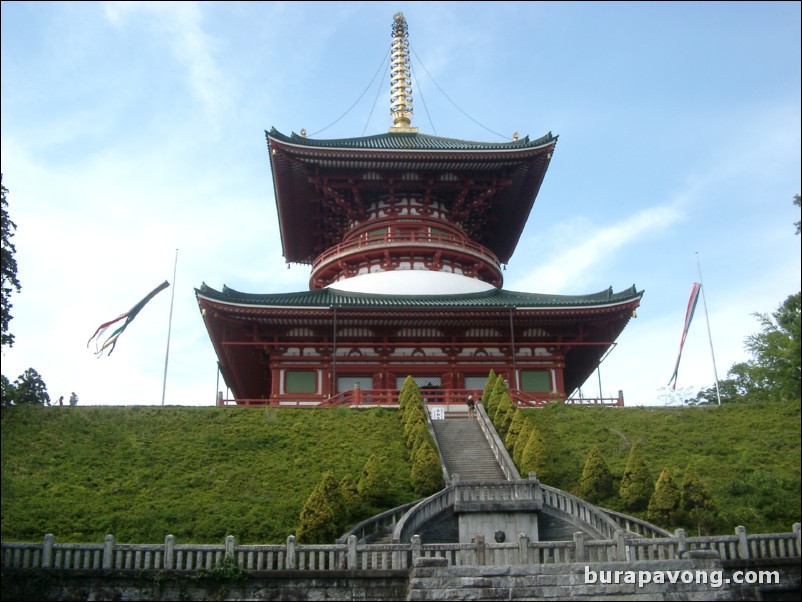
(748, 454)
(200, 474)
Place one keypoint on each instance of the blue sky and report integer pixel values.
(130, 130)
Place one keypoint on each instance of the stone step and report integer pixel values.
(465, 450)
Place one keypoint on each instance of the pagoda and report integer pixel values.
(406, 235)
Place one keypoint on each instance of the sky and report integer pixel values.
(133, 148)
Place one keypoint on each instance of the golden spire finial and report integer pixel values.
(400, 78)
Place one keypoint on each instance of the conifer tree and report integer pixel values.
(521, 441)
(499, 388)
(407, 395)
(351, 500)
(665, 500)
(637, 485)
(322, 514)
(489, 384)
(374, 483)
(696, 503)
(516, 423)
(427, 476)
(504, 406)
(535, 456)
(597, 480)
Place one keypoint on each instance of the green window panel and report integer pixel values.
(300, 381)
(536, 381)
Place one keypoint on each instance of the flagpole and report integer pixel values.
(169, 328)
(709, 335)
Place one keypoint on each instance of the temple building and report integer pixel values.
(406, 235)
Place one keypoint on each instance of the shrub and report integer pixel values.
(374, 483)
(636, 483)
(514, 430)
(522, 440)
(489, 384)
(534, 457)
(427, 476)
(597, 480)
(664, 503)
(499, 388)
(322, 514)
(696, 504)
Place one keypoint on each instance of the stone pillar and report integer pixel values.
(169, 552)
(230, 543)
(416, 548)
(47, 551)
(579, 546)
(682, 545)
(108, 552)
(523, 548)
(290, 563)
(743, 544)
(620, 546)
(797, 529)
(352, 557)
(479, 540)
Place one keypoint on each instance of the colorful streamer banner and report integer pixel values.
(697, 288)
(129, 316)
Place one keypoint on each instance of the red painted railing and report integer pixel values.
(389, 397)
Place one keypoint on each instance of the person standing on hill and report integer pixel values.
(73, 399)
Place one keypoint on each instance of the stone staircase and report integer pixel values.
(465, 450)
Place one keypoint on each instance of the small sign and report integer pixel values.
(437, 413)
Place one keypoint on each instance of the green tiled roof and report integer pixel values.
(402, 141)
(496, 298)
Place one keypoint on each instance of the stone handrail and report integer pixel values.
(110, 555)
(423, 512)
(376, 526)
(499, 451)
(578, 512)
(634, 525)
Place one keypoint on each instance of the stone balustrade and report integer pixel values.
(351, 555)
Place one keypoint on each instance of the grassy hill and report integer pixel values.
(200, 474)
(141, 473)
(747, 454)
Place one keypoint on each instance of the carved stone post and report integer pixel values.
(620, 546)
(108, 552)
(169, 552)
(479, 540)
(523, 548)
(417, 552)
(47, 551)
(743, 544)
(352, 557)
(230, 543)
(579, 546)
(682, 545)
(290, 564)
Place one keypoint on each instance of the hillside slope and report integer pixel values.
(200, 474)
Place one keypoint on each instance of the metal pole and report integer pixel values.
(516, 379)
(709, 335)
(169, 327)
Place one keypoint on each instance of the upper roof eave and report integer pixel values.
(409, 142)
(493, 299)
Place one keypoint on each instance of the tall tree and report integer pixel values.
(29, 389)
(637, 485)
(9, 269)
